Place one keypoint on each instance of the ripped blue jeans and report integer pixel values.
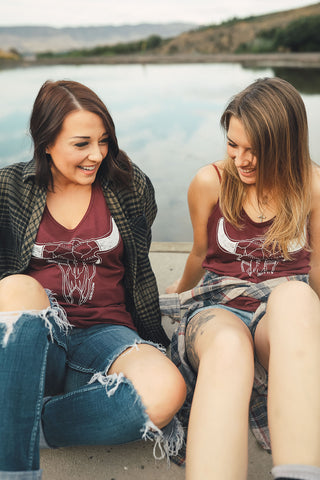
(57, 377)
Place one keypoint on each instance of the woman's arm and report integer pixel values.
(203, 194)
(315, 232)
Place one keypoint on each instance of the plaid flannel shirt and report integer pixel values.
(22, 203)
(213, 290)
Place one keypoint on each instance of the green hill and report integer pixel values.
(253, 34)
(296, 30)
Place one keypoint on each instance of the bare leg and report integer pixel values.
(288, 342)
(156, 379)
(220, 347)
(20, 293)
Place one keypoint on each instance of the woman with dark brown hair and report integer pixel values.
(80, 331)
(256, 223)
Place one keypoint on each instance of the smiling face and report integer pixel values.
(240, 150)
(78, 149)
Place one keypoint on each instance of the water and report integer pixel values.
(166, 117)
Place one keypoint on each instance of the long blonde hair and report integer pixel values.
(274, 118)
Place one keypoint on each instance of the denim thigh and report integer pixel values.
(245, 316)
(94, 349)
(56, 359)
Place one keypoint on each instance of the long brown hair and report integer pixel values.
(53, 103)
(274, 118)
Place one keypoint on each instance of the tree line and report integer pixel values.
(139, 46)
(301, 35)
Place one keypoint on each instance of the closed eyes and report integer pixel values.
(104, 141)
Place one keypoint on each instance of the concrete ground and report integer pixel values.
(135, 461)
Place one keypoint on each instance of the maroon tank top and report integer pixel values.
(83, 267)
(240, 253)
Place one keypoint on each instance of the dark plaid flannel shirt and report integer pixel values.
(22, 203)
(216, 289)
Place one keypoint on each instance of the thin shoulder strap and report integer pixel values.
(218, 171)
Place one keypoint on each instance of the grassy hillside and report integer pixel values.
(9, 55)
(295, 30)
(237, 34)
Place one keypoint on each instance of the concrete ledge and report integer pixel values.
(303, 60)
(178, 247)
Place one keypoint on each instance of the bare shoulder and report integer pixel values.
(207, 181)
(210, 171)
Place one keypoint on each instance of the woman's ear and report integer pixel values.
(48, 155)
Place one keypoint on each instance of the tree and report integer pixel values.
(302, 35)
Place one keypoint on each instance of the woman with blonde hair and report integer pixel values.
(250, 334)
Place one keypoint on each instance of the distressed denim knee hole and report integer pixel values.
(127, 348)
(168, 441)
(8, 320)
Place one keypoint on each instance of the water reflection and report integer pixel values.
(305, 80)
(166, 116)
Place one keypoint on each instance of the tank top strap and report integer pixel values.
(217, 170)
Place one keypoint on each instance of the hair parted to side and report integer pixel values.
(274, 118)
(53, 103)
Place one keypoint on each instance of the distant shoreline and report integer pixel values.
(290, 60)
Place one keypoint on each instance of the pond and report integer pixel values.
(166, 117)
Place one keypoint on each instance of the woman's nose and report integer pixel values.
(96, 154)
(243, 156)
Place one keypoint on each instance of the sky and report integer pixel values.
(62, 13)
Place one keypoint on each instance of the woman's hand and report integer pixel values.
(173, 288)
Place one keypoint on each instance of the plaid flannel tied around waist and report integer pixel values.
(216, 289)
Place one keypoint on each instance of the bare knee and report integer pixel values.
(293, 307)
(169, 396)
(22, 292)
(226, 368)
(229, 351)
(157, 380)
